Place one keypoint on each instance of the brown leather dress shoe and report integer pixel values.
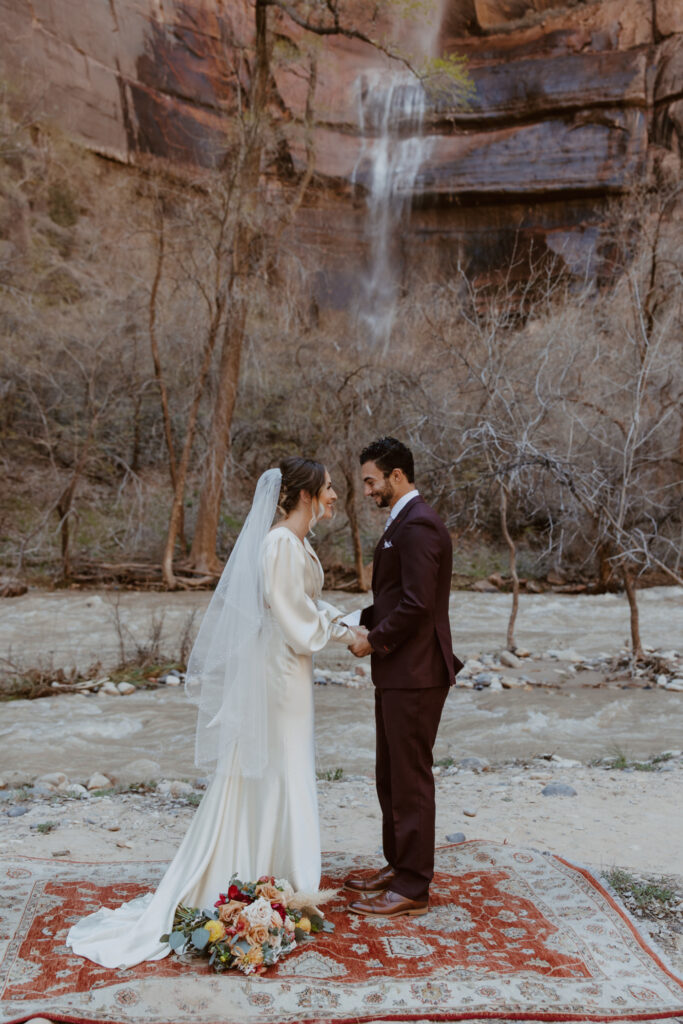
(389, 904)
(377, 882)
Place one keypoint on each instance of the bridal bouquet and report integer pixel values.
(253, 925)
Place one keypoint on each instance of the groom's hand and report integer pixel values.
(360, 647)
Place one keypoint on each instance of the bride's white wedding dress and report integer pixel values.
(251, 826)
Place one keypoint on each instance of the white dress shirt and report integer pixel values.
(400, 504)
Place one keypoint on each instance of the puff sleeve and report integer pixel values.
(306, 624)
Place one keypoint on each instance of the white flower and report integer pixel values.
(283, 884)
(258, 913)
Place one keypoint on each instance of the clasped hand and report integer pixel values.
(360, 646)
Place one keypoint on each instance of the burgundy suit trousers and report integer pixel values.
(407, 721)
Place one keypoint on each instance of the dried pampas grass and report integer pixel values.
(311, 900)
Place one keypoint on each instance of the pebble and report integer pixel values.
(564, 762)
(99, 781)
(455, 837)
(509, 659)
(483, 679)
(496, 685)
(510, 682)
(472, 666)
(3, 784)
(61, 853)
(558, 789)
(126, 688)
(469, 812)
(475, 764)
(16, 811)
(111, 689)
(675, 684)
(662, 680)
(170, 680)
(124, 845)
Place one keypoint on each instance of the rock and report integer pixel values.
(17, 811)
(61, 853)
(558, 789)
(99, 781)
(12, 588)
(3, 783)
(510, 682)
(675, 684)
(472, 667)
(483, 679)
(509, 659)
(15, 778)
(469, 812)
(562, 654)
(662, 680)
(564, 762)
(669, 16)
(75, 789)
(41, 789)
(174, 788)
(474, 764)
(141, 770)
(436, 769)
(497, 580)
(484, 587)
(55, 780)
(126, 688)
(534, 587)
(496, 685)
(465, 681)
(111, 689)
(170, 680)
(522, 652)
(455, 837)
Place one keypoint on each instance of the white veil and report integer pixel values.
(225, 672)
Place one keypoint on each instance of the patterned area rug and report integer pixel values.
(512, 935)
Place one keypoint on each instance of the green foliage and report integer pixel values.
(331, 774)
(46, 826)
(643, 892)
(447, 81)
(61, 204)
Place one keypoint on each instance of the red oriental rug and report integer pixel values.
(512, 934)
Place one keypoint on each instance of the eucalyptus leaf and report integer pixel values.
(177, 940)
(328, 926)
(200, 938)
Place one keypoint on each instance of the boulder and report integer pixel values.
(141, 770)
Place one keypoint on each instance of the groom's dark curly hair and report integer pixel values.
(388, 454)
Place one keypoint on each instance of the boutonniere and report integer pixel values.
(388, 544)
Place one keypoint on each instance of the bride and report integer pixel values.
(250, 672)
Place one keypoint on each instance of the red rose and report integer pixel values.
(222, 899)
(280, 909)
(235, 894)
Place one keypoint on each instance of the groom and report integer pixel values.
(413, 666)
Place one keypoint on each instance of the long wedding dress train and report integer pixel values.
(249, 826)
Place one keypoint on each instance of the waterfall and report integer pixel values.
(391, 111)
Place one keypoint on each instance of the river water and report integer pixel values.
(78, 734)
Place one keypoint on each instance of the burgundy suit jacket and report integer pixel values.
(408, 621)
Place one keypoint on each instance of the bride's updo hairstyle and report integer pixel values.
(299, 475)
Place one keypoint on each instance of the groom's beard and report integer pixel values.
(383, 497)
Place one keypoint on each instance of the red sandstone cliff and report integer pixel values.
(573, 104)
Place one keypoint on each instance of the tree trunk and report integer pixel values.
(513, 566)
(181, 476)
(158, 374)
(352, 516)
(203, 554)
(630, 588)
